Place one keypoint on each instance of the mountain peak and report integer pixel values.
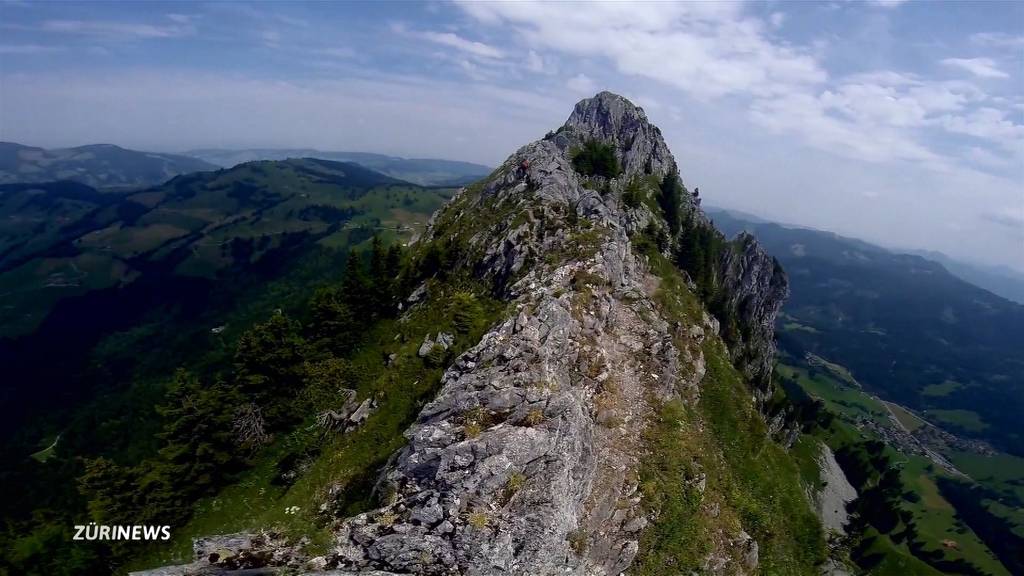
(615, 120)
(606, 109)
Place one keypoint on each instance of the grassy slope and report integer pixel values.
(754, 482)
(937, 522)
(838, 397)
(934, 516)
(896, 559)
(1003, 473)
(346, 463)
(349, 464)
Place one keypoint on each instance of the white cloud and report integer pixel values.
(981, 67)
(453, 40)
(705, 49)
(708, 50)
(998, 39)
(988, 124)
(859, 137)
(540, 64)
(181, 18)
(777, 19)
(271, 38)
(987, 159)
(888, 116)
(581, 84)
(886, 3)
(119, 30)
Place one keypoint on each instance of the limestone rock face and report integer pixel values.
(611, 118)
(835, 494)
(755, 287)
(526, 461)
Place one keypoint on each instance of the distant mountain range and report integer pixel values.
(107, 166)
(64, 239)
(907, 328)
(97, 165)
(422, 171)
(1000, 280)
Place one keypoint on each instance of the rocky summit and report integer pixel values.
(530, 459)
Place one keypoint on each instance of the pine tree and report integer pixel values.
(268, 367)
(333, 326)
(356, 288)
(110, 490)
(466, 312)
(380, 280)
(393, 261)
(596, 159)
(671, 200)
(377, 261)
(199, 447)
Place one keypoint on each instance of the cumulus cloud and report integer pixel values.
(705, 49)
(980, 67)
(988, 124)
(539, 64)
(832, 123)
(582, 84)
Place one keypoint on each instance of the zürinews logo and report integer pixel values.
(93, 531)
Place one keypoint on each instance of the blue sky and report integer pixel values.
(898, 122)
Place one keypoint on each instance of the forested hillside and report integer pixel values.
(423, 171)
(131, 287)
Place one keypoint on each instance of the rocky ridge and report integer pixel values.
(527, 460)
